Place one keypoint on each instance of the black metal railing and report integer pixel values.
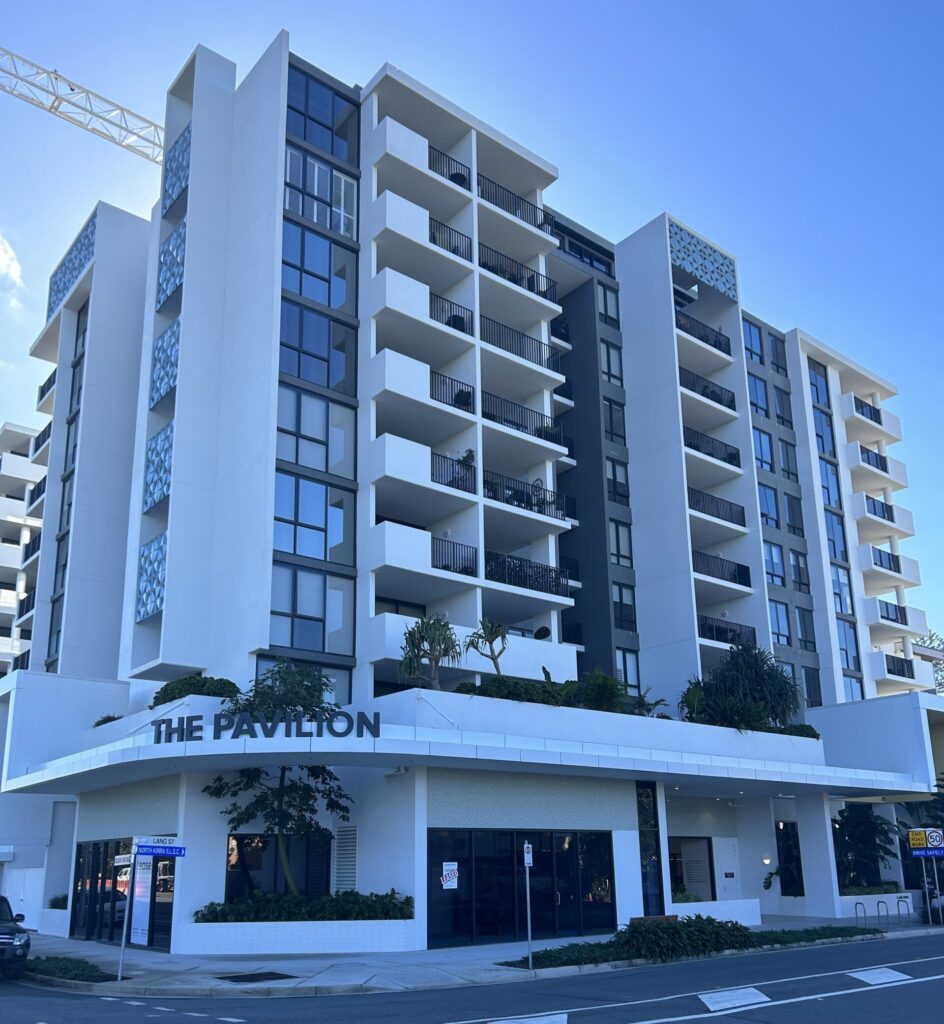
(565, 390)
(893, 612)
(866, 409)
(514, 204)
(724, 632)
(719, 508)
(452, 392)
(26, 604)
(452, 472)
(899, 666)
(886, 559)
(874, 459)
(571, 566)
(880, 508)
(706, 388)
(451, 556)
(708, 445)
(41, 438)
(560, 328)
(518, 343)
(33, 546)
(21, 661)
(449, 239)
(445, 311)
(47, 385)
(572, 633)
(534, 497)
(702, 332)
(520, 417)
(517, 273)
(449, 167)
(35, 492)
(721, 568)
(522, 572)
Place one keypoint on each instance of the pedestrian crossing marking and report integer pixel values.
(879, 976)
(732, 998)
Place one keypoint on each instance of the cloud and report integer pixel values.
(11, 273)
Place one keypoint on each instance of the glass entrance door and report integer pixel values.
(162, 905)
(543, 890)
(566, 884)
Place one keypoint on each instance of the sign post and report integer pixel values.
(124, 923)
(928, 844)
(528, 864)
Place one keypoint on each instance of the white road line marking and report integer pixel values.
(190, 1013)
(733, 998)
(134, 1002)
(232, 1020)
(878, 976)
(556, 1018)
(166, 1009)
(108, 999)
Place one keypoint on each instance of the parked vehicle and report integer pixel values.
(14, 941)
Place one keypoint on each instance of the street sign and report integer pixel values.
(123, 860)
(154, 850)
(937, 854)
(917, 838)
(935, 838)
(528, 856)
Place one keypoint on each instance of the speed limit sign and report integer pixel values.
(935, 838)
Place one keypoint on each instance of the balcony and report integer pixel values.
(448, 238)
(867, 423)
(713, 520)
(514, 204)
(888, 621)
(518, 417)
(417, 566)
(701, 348)
(560, 329)
(44, 392)
(25, 605)
(451, 556)
(725, 632)
(532, 497)
(32, 548)
(8, 601)
(705, 404)
(882, 570)
(39, 448)
(872, 471)
(21, 661)
(713, 461)
(34, 495)
(450, 391)
(508, 339)
(452, 473)
(894, 674)
(515, 571)
(451, 314)
(449, 168)
(878, 520)
(506, 306)
(718, 578)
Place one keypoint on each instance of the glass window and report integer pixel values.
(72, 443)
(614, 421)
(254, 865)
(842, 589)
(624, 606)
(769, 513)
(773, 564)
(314, 432)
(763, 450)
(789, 669)
(819, 386)
(621, 549)
(627, 669)
(608, 301)
(829, 481)
(780, 622)
(55, 627)
(852, 688)
(617, 481)
(836, 537)
(814, 693)
(806, 631)
(753, 346)
(799, 572)
(319, 193)
(318, 269)
(757, 389)
(81, 330)
(320, 116)
(62, 562)
(611, 362)
(778, 354)
(788, 461)
(75, 399)
(782, 408)
(848, 646)
(823, 428)
(789, 859)
(311, 610)
(65, 510)
(793, 513)
(650, 848)
(316, 348)
(313, 519)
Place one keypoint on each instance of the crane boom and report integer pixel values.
(73, 102)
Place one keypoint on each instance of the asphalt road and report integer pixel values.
(809, 985)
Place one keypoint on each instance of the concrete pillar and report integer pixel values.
(892, 871)
(820, 883)
(757, 853)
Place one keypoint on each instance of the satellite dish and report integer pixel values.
(542, 633)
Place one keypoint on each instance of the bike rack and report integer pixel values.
(865, 916)
(878, 910)
(898, 905)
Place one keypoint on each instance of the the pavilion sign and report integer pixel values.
(338, 724)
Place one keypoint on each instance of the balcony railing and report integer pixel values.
(47, 385)
(452, 392)
(33, 546)
(21, 661)
(724, 632)
(514, 204)
(721, 568)
(886, 560)
(711, 446)
(874, 459)
(451, 556)
(571, 566)
(880, 508)
(899, 666)
(41, 438)
(534, 496)
(520, 417)
(35, 492)
(518, 343)
(869, 411)
(702, 332)
(572, 633)
(522, 572)
(445, 311)
(452, 473)
(449, 239)
(560, 328)
(719, 508)
(893, 612)
(706, 388)
(450, 168)
(26, 604)
(517, 273)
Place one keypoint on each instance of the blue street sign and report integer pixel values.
(937, 852)
(161, 851)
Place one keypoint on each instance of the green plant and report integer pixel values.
(862, 841)
(684, 896)
(597, 691)
(105, 719)
(60, 902)
(548, 432)
(885, 889)
(524, 690)
(429, 641)
(467, 458)
(796, 729)
(640, 704)
(462, 399)
(194, 685)
(490, 640)
(286, 799)
(70, 968)
(342, 906)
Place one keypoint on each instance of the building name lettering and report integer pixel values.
(190, 728)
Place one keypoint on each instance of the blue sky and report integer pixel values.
(802, 137)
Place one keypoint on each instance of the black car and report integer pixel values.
(14, 941)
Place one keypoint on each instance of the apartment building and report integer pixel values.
(354, 371)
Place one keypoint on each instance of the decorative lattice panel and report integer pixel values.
(702, 260)
(176, 170)
(152, 570)
(164, 362)
(170, 269)
(73, 264)
(157, 465)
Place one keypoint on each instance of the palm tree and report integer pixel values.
(490, 640)
(430, 641)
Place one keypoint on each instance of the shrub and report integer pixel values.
(684, 896)
(795, 936)
(342, 906)
(199, 686)
(505, 688)
(105, 719)
(60, 902)
(72, 968)
(885, 889)
(796, 729)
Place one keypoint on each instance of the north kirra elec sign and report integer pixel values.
(192, 728)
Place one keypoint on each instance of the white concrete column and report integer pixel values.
(420, 846)
(820, 884)
(892, 871)
(757, 853)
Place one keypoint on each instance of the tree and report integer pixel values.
(286, 799)
(928, 813)
(935, 641)
(490, 640)
(862, 841)
(430, 641)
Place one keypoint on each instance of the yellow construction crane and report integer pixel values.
(73, 102)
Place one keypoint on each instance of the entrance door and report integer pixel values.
(543, 890)
(162, 905)
(566, 883)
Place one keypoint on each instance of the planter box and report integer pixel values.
(847, 906)
(743, 911)
(54, 922)
(298, 937)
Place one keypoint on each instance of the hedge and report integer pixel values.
(200, 686)
(342, 906)
(71, 968)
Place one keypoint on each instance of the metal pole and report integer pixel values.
(527, 897)
(940, 898)
(927, 897)
(124, 926)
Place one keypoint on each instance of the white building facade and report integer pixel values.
(327, 390)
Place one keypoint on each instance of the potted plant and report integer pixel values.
(463, 399)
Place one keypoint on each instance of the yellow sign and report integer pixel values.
(917, 839)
